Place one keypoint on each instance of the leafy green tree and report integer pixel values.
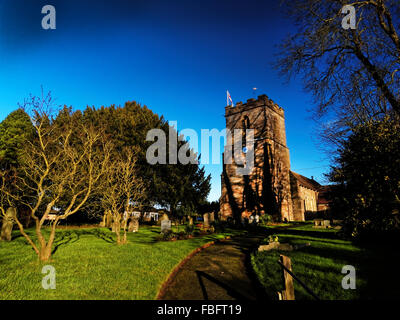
(15, 130)
(180, 186)
(367, 177)
(170, 185)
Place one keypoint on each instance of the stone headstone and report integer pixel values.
(108, 219)
(282, 246)
(165, 226)
(318, 222)
(8, 223)
(269, 246)
(103, 222)
(206, 220)
(190, 220)
(326, 223)
(212, 217)
(133, 225)
(164, 217)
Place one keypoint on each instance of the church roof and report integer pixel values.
(306, 182)
(323, 197)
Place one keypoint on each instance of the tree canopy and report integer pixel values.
(367, 179)
(15, 130)
(169, 185)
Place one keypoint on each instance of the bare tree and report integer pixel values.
(60, 168)
(353, 74)
(124, 190)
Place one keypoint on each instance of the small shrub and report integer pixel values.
(189, 229)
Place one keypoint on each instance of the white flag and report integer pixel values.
(228, 98)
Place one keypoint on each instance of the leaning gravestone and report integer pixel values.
(133, 225)
(165, 226)
(8, 222)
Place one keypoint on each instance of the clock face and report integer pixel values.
(245, 149)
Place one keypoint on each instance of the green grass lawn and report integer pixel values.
(89, 264)
(319, 266)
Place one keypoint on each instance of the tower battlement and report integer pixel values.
(261, 101)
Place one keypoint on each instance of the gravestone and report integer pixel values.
(165, 226)
(103, 221)
(8, 222)
(326, 223)
(133, 225)
(164, 217)
(190, 220)
(108, 219)
(206, 222)
(212, 218)
(317, 223)
(282, 246)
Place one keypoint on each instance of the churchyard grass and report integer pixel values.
(90, 265)
(319, 266)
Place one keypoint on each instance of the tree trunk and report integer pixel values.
(45, 253)
(116, 227)
(124, 240)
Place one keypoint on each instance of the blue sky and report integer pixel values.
(176, 57)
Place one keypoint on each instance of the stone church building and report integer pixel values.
(270, 187)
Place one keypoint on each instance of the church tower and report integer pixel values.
(266, 189)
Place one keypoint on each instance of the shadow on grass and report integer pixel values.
(64, 238)
(101, 234)
(325, 255)
(311, 233)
